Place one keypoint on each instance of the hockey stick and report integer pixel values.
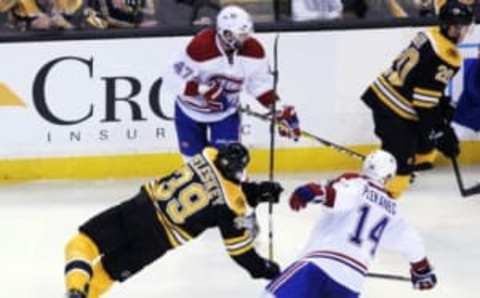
(465, 192)
(267, 117)
(272, 146)
(389, 276)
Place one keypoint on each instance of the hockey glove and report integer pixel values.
(305, 194)
(446, 141)
(288, 123)
(447, 111)
(265, 191)
(422, 274)
(270, 271)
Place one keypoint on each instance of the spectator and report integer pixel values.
(309, 10)
(424, 8)
(42, 14)
(203, 12)
(103, 14)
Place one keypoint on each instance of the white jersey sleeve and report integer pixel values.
(260, 80)
(401, 237)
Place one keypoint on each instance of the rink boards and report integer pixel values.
(92, 109)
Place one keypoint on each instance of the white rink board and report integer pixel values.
(322, 73)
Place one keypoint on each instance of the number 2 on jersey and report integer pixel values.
(402, 66)
(374, 232)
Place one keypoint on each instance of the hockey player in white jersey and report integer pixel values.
(362, 217)
(208, 77)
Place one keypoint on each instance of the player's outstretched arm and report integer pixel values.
(312, 192)
(261, 192)
(239, 243)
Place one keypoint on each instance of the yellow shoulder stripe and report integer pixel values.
(444, 48)
(234, 196)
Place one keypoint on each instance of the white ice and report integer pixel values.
(36, 219)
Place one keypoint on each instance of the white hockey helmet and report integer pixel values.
(380, 166)
(234, 26)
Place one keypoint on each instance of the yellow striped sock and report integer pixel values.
(80, 252)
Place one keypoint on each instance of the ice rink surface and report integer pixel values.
(36, 220)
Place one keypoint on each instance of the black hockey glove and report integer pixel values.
(447, 111)
(270, 271)
(446, 141)
(264, 191)
(422, 275)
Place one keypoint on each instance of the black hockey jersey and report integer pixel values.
(416, 81)
(196, 197)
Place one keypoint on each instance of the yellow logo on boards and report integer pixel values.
(8, 98)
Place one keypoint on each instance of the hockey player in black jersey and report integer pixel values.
(410, 111)
(167, 212)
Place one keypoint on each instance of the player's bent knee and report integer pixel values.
(81, 246)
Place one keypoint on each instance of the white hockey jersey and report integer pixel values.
(362, 217)
(205, 61)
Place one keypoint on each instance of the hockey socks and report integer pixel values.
(80, 253)
(424, 161)
(101, 281)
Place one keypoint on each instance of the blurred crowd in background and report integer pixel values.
(27, 15)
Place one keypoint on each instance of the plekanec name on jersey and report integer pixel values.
(380, 199)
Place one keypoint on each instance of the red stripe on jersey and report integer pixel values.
(346, 176)
(191, 88)
(267, 98)
(341, 255)
(203, 46)
(252, 48)
(330, 196)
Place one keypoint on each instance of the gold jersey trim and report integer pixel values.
(241, 251)
(393, 103)
(239, 245)
(423, 104)
(176, 235)
(427, 92)
(232, 192)
(235, 240)
(444, 48)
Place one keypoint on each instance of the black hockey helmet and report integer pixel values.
(231, 161)
(454, 12)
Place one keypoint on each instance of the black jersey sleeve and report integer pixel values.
(240, 246)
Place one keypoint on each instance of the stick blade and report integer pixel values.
(474, 190)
